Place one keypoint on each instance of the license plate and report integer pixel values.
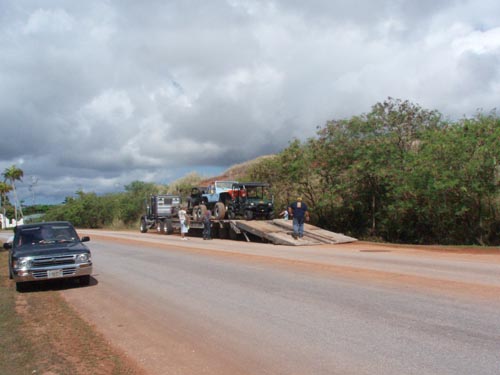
(54, 273)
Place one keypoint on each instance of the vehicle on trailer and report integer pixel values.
(159, 213)
(215, 198)
(251, 200)
(45, 251)
(196, 197)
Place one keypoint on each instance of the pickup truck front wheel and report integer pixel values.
(84, 280)
(21, 287)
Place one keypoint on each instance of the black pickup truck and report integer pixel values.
(44, 251)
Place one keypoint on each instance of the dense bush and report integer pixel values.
(399, 173)
(88, 210)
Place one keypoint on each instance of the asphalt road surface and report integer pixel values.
(223, 307)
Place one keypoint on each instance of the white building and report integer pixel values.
(6, 223)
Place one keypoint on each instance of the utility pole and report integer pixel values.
(34, 181)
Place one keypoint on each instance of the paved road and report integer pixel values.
(222, 307)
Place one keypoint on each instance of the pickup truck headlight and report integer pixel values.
(22, 263)
(82, 258)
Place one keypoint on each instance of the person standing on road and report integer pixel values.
(206, 225)
(299, 212)
(183, 218)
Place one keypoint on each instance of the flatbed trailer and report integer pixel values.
(276, 231)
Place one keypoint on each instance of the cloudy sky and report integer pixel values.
(95, 94)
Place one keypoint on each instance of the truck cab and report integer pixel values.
(159, 212)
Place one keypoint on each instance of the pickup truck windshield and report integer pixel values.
(45, 234)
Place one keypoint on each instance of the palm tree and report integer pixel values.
(4, 189)
(12, 175)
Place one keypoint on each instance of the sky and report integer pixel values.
(97, 94)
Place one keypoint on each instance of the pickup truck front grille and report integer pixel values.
(53, 261)
(42, 274)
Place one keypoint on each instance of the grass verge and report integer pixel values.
(41, 334)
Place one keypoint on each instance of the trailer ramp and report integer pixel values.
(279, 232)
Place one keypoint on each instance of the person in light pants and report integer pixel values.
(184, 223)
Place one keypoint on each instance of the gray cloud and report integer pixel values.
(94, 95)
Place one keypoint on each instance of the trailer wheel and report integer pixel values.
(219, 211)
(232, 234)
(223, 233)
(195, 213)
(170, 228)
(202, 211)
(160, 227)
(144, 226)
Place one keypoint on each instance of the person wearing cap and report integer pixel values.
(299, 212)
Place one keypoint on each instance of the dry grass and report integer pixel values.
(236, 172)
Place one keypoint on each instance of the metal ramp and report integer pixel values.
(279, 232)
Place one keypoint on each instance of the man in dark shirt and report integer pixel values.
(299, 212)
(206, 225)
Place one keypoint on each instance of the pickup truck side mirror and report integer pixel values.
(85, 239)
(7, 245)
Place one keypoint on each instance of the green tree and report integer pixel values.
(289, 174)
(131, 203)
(363, 163)
(89, 210)
(348, 156)
(4, 189)
(270, 170)
(13, 174)
(458, 166)
(398, 127)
